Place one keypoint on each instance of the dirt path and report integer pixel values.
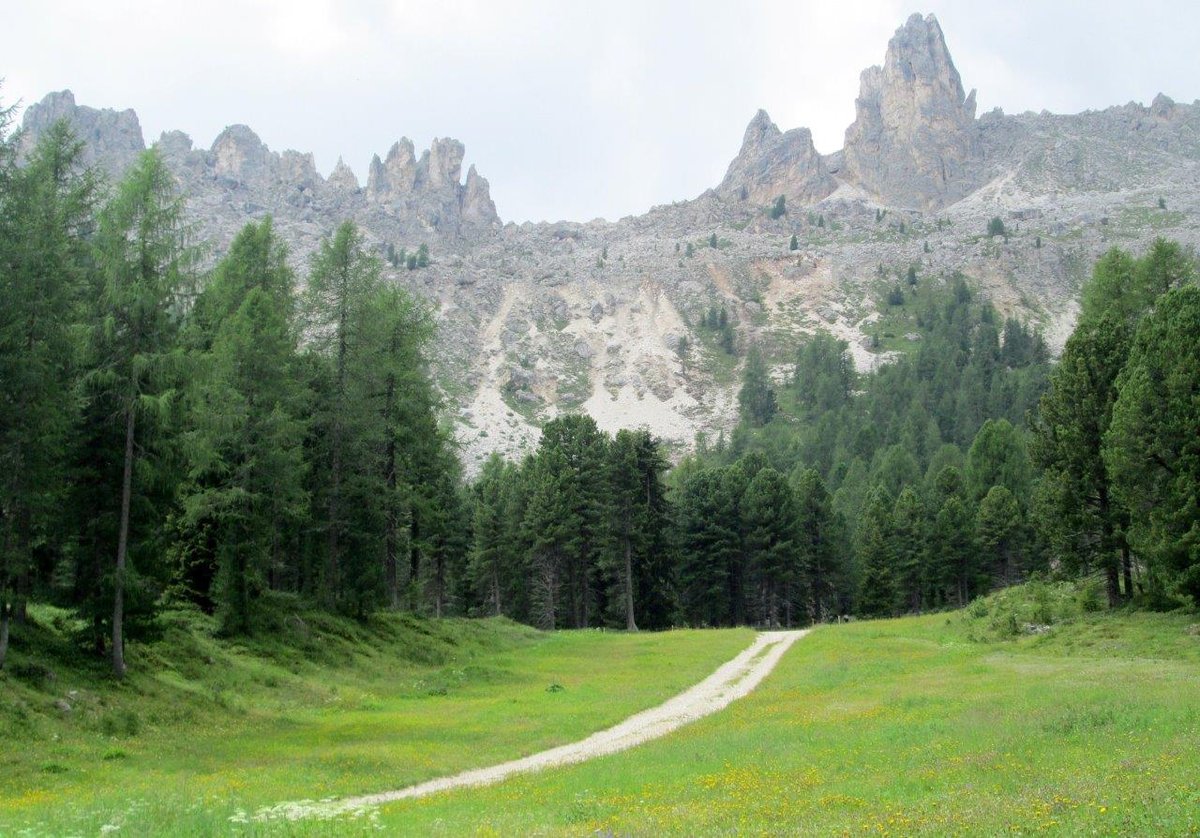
(731, 681)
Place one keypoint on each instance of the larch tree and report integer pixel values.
(135, 357)
(247, 467)
(45, 214)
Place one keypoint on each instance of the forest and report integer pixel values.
(243, 439)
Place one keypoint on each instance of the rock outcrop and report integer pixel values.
(429, 189)
(772, 163)
(113, 139)
(914, 140)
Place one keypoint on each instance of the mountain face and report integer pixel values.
(914, 141)
(538, 319)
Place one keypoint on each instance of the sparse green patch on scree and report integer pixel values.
(318, 707)
(903, 727)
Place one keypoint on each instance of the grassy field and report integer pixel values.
(205, 730)
(938, 725)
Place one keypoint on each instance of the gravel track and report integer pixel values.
(732, 680)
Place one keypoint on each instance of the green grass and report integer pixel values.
(203, 728)
(902, 727)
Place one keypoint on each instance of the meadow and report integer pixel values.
(1030, 712)
(1083, 723)
(204, 732)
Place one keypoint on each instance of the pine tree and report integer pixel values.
(794, 244)
(1152, 447)
(756, 399)
(769, 516)
(910, 542)
(997, 457)
(1073, 418)
(638, 509)
(999, 524)
(491, 563)
(817, 546)
(953, 546)
(707, 533)
(877, 586)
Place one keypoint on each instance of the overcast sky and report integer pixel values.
(571, 109)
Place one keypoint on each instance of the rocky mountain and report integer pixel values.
(537, 319)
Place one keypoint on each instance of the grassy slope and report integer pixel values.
(316, 707)
(916, 726)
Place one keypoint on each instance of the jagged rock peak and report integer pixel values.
(914, 137)
(342, 178)
(477, 205)
(760, 130)
(430, 187)
(239, 153)
(112, 139)
(772, 163)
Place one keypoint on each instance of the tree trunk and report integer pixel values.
(118, 621)
(1107, 550)
(630, 625)
(414, 554)
(3, 631)
(391, 524)
(439, 582)
(1127, 568)
(496, 590)
(331, 550)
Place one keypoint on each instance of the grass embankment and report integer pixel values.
(937, 725)
(204, 728)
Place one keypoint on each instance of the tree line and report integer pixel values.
(215, 436)
(970, 464)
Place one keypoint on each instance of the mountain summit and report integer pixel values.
(914, 139)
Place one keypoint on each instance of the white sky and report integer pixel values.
(571, 109)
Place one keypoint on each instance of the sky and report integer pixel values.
(571, 109)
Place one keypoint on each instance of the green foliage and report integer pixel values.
(1152, 447)
(877, 593)
(135, 364)
(997, 457)
(756, 399)
(778, 209)
(45, 212)
(995, 227)
(245, 487)
(793, 243)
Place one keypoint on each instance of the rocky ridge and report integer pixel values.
(537, 319)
